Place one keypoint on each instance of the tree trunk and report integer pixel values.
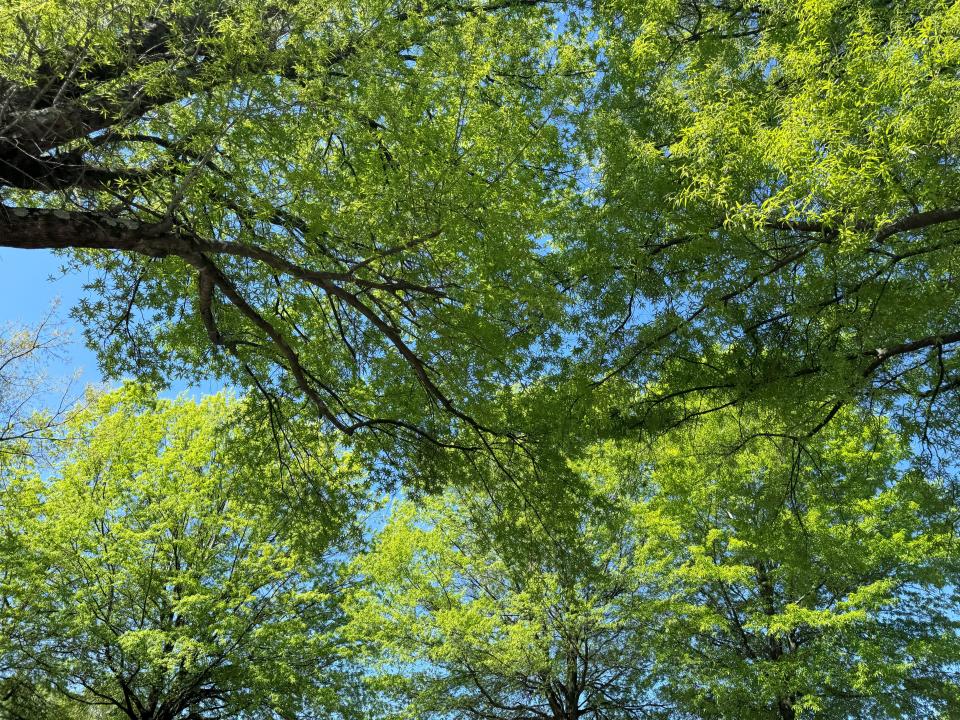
(785, 709)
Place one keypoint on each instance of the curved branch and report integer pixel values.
(916, 221)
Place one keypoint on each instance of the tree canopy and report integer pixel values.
(580, 359)
(777, 206)
(390, 210)
(143, 577)
(474, 610)
(689, 582)
(808, 583)
(346, 202)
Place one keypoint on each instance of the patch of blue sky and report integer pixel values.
(34, 286)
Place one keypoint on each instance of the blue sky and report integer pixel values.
(31, 282)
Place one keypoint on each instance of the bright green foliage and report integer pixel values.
(476, 609)
(776, 204)
(169, 569)
(508, 228)
(340, 202)
(711, 574)
(390, 210)
(806, 583)
(20, 699)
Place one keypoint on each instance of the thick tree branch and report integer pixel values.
(48, 174)
(881, 355)
(916, 221)
(45, 229)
